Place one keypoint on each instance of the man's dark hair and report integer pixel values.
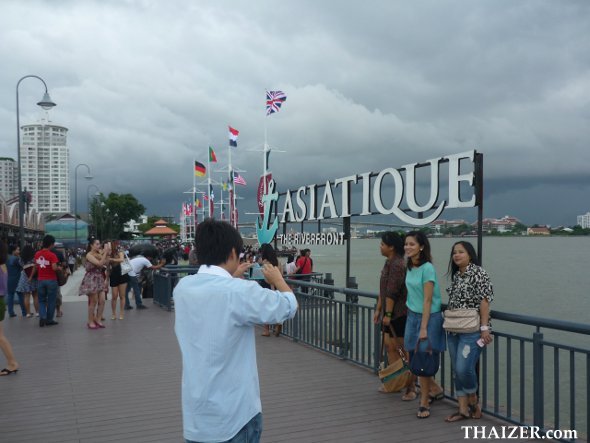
(48, 240)
(215, 240)
(27, 254)
(268, 253)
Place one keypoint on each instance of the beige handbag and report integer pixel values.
(396, 376)
(461, 321)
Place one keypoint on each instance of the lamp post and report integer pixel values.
(46, 103)
(88, 199)
(88, 193)
(108, 223)
(88, 176)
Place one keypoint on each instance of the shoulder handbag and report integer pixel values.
(425, 363)
(62, 276)
(461, 321)
(300, 271)
(395, 376)
(126, 266)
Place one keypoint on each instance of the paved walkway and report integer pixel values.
(122, 384)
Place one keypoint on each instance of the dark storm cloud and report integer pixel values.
(145, 87)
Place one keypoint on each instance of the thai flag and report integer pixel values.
(233, 136)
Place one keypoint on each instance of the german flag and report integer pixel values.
(200, 169)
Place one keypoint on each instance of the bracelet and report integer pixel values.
(485, 328)
(388, 314)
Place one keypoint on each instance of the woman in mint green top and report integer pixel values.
(415, 279)
(424, 323)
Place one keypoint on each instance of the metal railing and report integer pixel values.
(165, 280)
(523, 374)
(535, 373)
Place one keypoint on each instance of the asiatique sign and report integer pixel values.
(311, 202)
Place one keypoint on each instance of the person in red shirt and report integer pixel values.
(46, 264)
(304, 265)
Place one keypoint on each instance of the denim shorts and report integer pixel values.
(435, 331)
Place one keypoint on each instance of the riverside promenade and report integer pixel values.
(122, 384)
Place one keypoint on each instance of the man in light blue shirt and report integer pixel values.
(215, 318)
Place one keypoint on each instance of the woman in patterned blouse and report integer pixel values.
(391, 305)
(470, 289)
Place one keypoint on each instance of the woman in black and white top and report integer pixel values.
(470, 289)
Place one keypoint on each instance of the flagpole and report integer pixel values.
(194, 214)
(234, 197)
(209, 182)
(231, 180)
(264, 166)
(264, 155)
(221, 199)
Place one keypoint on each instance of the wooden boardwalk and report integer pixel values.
(122, 384)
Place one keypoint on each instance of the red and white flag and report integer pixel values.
(239, 180)
(233, 136)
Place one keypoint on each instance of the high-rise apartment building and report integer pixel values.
(8, 178)
(584, 220)
(45, 161)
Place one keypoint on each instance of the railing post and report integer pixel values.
(328, 280)
(538, 398)
(376, 344)
(352, 284)
(170, 288)
(346, 340)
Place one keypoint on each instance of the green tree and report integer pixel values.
(578, 230)
(518, 228)
(110, 213)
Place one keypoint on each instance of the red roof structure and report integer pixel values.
(161, 229)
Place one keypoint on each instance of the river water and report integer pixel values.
(542, 277)
(545, 277)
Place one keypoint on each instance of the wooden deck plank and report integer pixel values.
(122, 384)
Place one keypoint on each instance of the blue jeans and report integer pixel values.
(464, 354)
(250, 433)
(133, 284)
(47, 290)
(10, 303)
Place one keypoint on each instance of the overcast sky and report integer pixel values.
(146, 86)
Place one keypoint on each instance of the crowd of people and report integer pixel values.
(409, 310)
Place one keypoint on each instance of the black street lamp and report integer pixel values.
(46, 103)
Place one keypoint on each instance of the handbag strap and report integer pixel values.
(428, 349)
(399, 349)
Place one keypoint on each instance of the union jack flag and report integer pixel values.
(274, 100)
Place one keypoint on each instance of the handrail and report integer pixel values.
(560, 325)
(524, 377)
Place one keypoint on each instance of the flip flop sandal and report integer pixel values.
(422, 410)
(4, 372)
(433, 398)
(457, 416)
(409, 396)
(474, 411)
